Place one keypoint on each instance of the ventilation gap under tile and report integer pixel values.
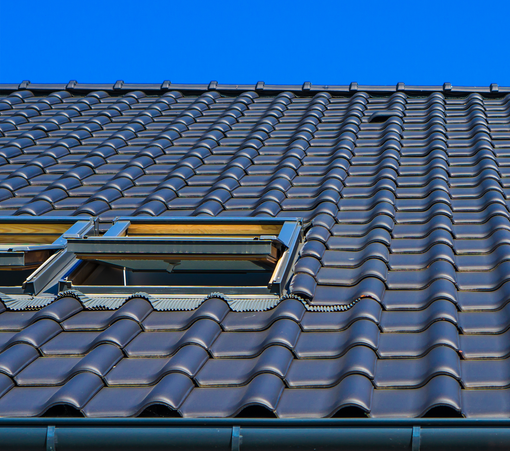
(62, 410)
(159, 411)
(255, 412)
(350, 412)
(382, 116)
(442, 412)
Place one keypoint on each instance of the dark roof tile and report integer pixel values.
(135, 309)
(235, 372)
(413, 373)
(35, 335)
(161, 344)
(34, 401)
(56, 370)
(80, 343)
(130, 401)
(15, 358)
(400, 289)
(312, 345)
(264, 391)
(284, 332)
(353, 391)
(148, 371)
(329, 372)
(441, 391)
(247, 321)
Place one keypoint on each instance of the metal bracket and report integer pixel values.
(290, 236)
(306, 86)
(77, 230)
(416, 439)
(51, 438)
(64, 285)
(287, 232)
(44, 276)
(118, 229)
(237, 439)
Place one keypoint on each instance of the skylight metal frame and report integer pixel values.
(53, 233)
(242, 244)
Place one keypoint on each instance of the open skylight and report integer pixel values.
(186, 256)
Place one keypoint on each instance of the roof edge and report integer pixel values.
(306, 89)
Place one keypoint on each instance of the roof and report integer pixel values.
(398, 303)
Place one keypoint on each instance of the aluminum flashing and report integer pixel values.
(397, 302)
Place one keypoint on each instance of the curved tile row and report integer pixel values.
(65, 328)
(215, 362)
(179, 396)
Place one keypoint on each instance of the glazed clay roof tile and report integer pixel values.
(399, 298)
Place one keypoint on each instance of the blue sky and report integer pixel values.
(333, 42)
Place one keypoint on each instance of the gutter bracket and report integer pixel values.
(237, 439)
(416, 439)
(51, 439)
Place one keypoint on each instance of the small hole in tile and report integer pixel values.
(380, 118)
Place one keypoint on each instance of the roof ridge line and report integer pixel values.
(307, 88)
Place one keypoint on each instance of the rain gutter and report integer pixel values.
(62, 434)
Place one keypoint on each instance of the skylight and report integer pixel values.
(186, 256)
